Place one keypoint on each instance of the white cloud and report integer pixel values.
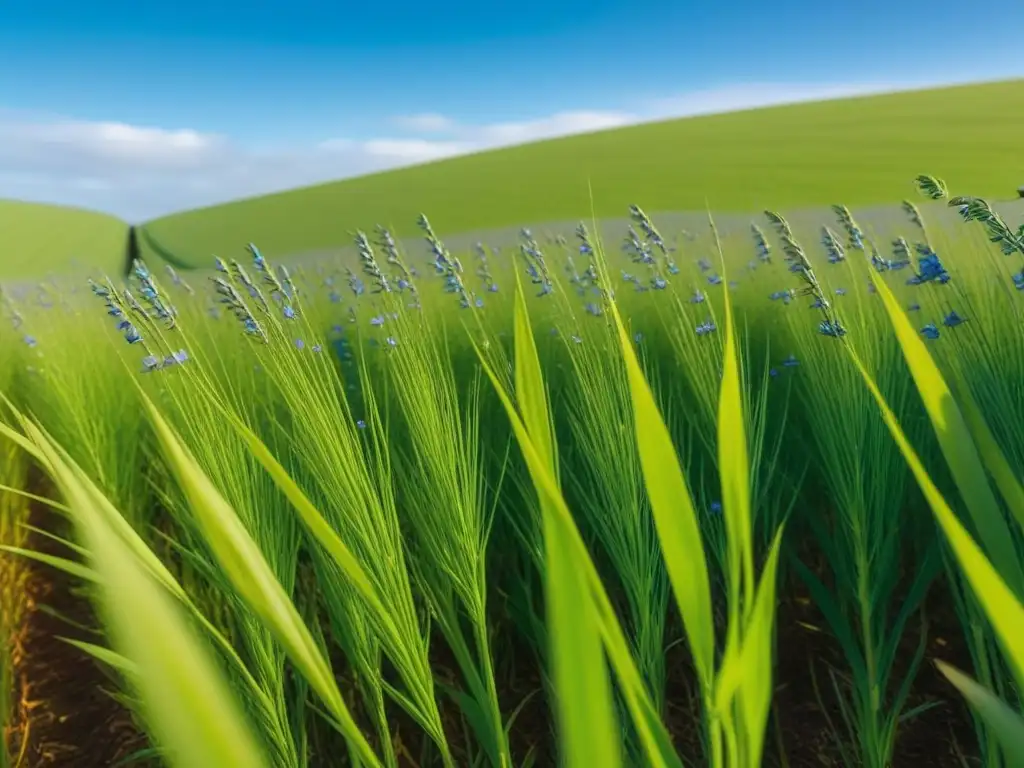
(414, 150)
(140, 172)
(428, 122)
(559, 124)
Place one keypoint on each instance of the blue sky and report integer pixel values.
(143, 111)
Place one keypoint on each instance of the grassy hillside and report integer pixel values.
(41, 239)
(860, 151)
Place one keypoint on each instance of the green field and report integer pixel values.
(42, 239)
(861, 151)
(667, 506)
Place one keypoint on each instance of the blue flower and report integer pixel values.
(150, 363)
(791, 361)
(953, 319)
(930, 268)
(716, 507)
(915, 307)
(377, 321)
(132, 335)
(361, 424)
(299, 344)
(30, 341)
(830, 328)
(840, 291)
(1018, 281)
(175, 358)
(707, 327)
(698, 297)
(715, 280)
(930, 331)
(391, 341)
(288, 312)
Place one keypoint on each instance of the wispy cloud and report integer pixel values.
(140, 172)
(429, 122)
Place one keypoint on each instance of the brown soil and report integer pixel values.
(63, 717)
(800, 735)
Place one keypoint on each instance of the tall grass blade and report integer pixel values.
(189, 705)
(1006, 724)
(586, 715)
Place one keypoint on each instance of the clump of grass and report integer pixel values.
(973, 456)
(444, 497)
(356, 493)
(871, 604)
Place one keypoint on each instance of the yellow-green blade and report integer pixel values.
(586, 714)
(187, 702)
(734, 468)
(1006, 724)
(531, 394)
(746, 675)
(674, 516)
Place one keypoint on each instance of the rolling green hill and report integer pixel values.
(858, 151)
(37, 239)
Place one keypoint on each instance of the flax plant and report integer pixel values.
(354, 492)
(863, 541)
(444, 494)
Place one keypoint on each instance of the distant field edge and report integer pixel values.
(859, 151)
(734, 112)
